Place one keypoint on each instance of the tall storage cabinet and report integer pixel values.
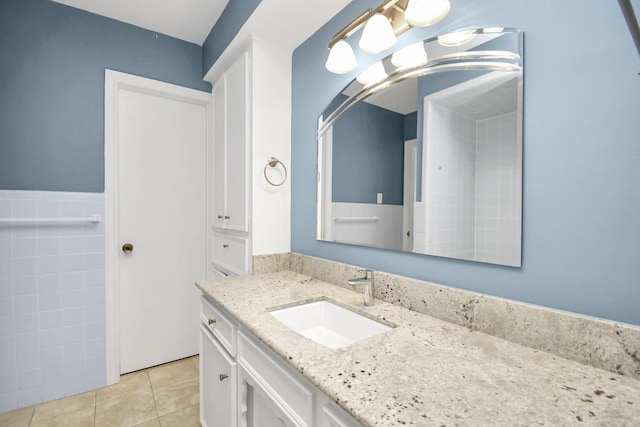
(249, 216)
(231, 147)
(231, 185)
(252, 122)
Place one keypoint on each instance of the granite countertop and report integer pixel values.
(426, 371)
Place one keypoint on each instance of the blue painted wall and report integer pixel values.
(233, 17)
(581, 220)
(52, 61)
(411, 126)
(368, 155)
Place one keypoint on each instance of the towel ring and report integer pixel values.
(273, 162)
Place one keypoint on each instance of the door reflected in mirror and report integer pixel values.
(429, 160)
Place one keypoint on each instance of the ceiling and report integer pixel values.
(192, 20)
(189, 20)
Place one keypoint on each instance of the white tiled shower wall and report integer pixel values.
(450, 185)
(497, 193)
(471, 199)
(52, 298)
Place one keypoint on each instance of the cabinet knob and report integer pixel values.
(225, 245)
(211, 321)
(227, 217)
(223, 377)
(220, 217)
(127, 248)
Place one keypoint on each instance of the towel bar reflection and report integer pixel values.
(92, 219)
(355, 218)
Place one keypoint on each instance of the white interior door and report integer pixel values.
(409, 196)
(160, 197)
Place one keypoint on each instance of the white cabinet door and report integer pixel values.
(231, 101)
(219, 150)
(218, 383)
(257, 408)
(237, 121)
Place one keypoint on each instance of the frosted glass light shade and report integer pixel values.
(456, 39)
(373, 74)
(377, 35)
(409, 56)
(421, 13)
(341, 58)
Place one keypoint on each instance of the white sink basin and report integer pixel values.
(329, 324)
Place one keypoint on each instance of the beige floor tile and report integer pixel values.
(187, 417)
(127, 383)
(74, 411)
(196, 361)
(177, 396)
(151, 423)
(126, 403)
(18, 418)
(172, 373)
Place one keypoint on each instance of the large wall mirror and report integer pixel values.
(424, 154)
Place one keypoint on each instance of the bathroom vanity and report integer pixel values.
(422, 371)
(245, 383)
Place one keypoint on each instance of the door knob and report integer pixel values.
(127, 248)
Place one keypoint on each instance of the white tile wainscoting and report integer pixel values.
(52, 297)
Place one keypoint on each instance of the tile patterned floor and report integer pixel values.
(161, 396)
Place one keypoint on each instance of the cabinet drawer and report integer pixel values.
(220, 324)
(285, 384)
(231, 253)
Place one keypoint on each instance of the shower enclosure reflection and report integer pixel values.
(429, 160)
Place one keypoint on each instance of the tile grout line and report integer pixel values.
(95, 407)
(153, 395)
(32, 415)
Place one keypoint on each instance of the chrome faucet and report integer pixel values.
(369, 285)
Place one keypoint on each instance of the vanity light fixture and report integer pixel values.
(341, 58)
(381, 27)
(421, 13)
(456, 39)
(377, 35)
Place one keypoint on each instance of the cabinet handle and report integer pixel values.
(223, 377)
(227, 217)
(220, 217)
(211, 321)
(225, 246)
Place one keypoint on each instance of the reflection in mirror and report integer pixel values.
(426, 156)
